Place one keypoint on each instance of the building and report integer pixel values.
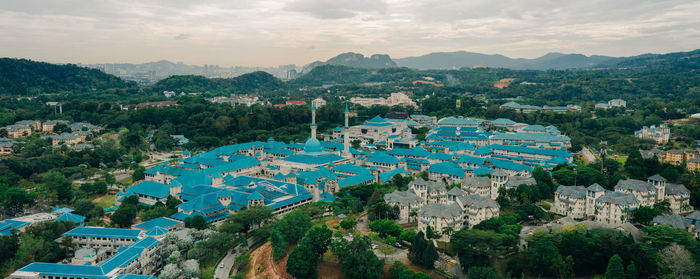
(612, 104)
(528, 108)
(70, 139)
(84, 126)
(103, 253)
(156, 104)
(606, 206)
(660, 134)
(6, 146)
(395, 99)
(433, 206)
(613, 207)
(319, 102)
(18, 131)
(48, 125)
(247, 100)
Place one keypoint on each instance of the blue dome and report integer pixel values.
(312, 146)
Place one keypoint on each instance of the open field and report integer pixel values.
(105, 201)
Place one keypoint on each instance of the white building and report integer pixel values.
(660, 134)
(614, 207)
(438, 208)
(395, 99)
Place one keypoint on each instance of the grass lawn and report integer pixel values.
(621, 158)
(105, 201)
(126, 181)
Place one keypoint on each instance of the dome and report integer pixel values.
(312, 146)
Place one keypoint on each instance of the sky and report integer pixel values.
(271, 33)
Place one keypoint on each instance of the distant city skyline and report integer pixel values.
(272, 33)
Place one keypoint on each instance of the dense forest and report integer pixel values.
(22, 77)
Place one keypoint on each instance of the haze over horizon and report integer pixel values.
(271, 33)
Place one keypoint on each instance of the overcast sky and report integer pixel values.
(270, 33)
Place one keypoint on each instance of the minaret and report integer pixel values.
(346, 136)
(313, 120)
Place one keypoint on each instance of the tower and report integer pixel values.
(593, 193)
(498, 180)
(346, 136)
(313, 120)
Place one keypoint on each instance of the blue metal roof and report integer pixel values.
(162, 222)
(149, 188)
(103, 232)
(75, 218)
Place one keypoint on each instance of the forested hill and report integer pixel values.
(690, 59)
(243, 84)
(25, 77)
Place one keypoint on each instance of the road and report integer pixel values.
(227, 262)
(229, 259)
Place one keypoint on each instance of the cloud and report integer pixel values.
(182, 36)
(273, 32)
(335, 9)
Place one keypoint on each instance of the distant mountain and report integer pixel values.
(355, 60)
(461, 59)
(26, 77)
(243, 84)
(689, 59)
(150, 72)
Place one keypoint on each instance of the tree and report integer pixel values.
(631, 271)
(197, 222)
(318, 238)
(358, 261)
(56, 182)
(415, 253)
(348, 223)
(482, 272)
(677, 261)
(138, 173)
(429, 256)
(385, 228)
(175, 257)
(615, 269)
(564, 267)
(251, 217)
(634, 166)
(294, 225)
(302, 262)
(110, 179)
(191, 268)
(644, 214)
(14, 198)
(124, 216)
(278, 242)
(170, 271)
(543, 255)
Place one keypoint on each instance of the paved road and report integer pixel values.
(223, 269)
(229, 259)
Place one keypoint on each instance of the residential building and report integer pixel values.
(395, 99)
(609, 207)
(48, 125)
(661, 134)
(6, 146)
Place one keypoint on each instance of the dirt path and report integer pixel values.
(263, 266)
